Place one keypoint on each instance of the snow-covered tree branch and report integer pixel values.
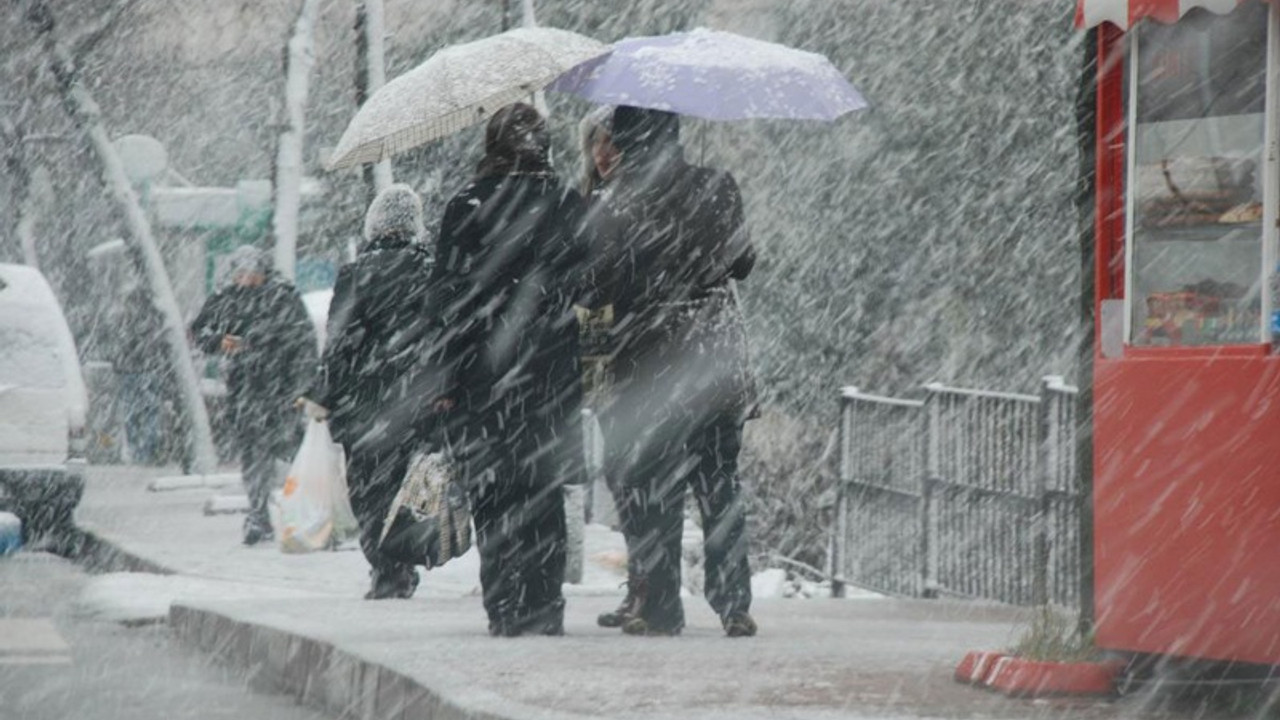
(87, 115)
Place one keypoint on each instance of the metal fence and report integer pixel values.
(967, 492)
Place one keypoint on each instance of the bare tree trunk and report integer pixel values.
(18, 164)
(530, 21)
(28, 211)
(88, 116)
(287, 186)
(371, 74)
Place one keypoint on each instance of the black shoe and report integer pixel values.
(254, 534)
(640, 627)
(547, 621)
(739, 624)
(629, 608)
(395, 584)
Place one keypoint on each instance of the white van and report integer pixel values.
(43, 404)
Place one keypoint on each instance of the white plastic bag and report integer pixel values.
(315, 511)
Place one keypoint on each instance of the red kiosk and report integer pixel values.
(1186, 384)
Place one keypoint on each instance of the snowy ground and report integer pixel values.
(299, 619)
(168, 521)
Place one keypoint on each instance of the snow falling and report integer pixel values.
(925, 243)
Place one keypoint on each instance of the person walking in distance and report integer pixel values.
(260, 326)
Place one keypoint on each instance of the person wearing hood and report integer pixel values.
(509, 269)
(373, 387)
(599, 156)
(259, 324)
(675, 239)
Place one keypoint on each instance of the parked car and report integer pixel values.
(43, 405)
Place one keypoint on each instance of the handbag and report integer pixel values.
(429, 522)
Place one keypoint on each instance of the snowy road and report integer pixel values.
(55, 664)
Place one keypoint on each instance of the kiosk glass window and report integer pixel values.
(1197, 119)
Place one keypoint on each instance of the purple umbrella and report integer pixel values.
(716, 76)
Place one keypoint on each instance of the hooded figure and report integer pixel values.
(510, 265)
(599, 156)
(259, 324)
(676, 238)
(374, 385)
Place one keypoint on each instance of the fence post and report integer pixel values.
(1047, 412)
(928, 563)
(842, 488)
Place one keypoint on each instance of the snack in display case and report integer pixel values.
(1205, 311)
(1250, 212)
(1190, 191)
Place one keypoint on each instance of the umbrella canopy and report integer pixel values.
(457, 87)
(716, 76)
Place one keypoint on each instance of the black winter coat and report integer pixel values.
(374, 383)
(673, 238)
(509, 266)
(278, 355)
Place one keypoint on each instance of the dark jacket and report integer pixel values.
(508, 270)
(379, 329)
(278, 354)
(674, 237)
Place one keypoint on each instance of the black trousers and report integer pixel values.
(677, 457)
(517, 504)
(258, 471)
(264, 437)
(373, 479)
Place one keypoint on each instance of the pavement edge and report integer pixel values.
(315, 672)
(100, 555)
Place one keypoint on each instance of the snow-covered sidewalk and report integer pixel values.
(298, 622)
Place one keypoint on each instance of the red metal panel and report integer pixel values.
(1109, 225)
(1187, 504)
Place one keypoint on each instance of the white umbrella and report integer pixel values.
(457, 87)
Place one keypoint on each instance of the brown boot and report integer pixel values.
(629, 608)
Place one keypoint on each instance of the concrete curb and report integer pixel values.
(100, 555)
(1021, 677)
(315, 672)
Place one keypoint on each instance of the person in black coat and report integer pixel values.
(373, 387)
(260, 325)
(509, 268)
(676, 239)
